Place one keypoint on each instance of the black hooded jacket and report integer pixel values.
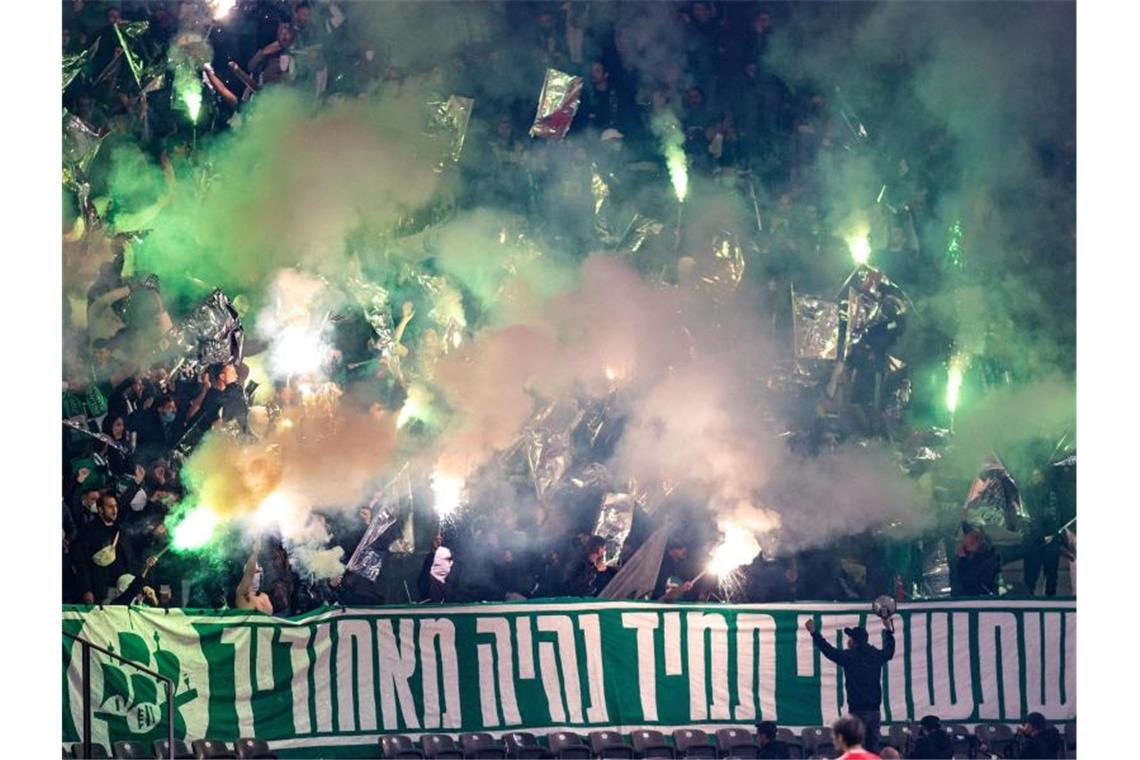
(862, 670)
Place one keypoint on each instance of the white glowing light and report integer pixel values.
(860, 248)
(738, 548)
(298, 350)
(196, 529)
(192, 97)
(678, 170)
(222, 8)
(447, 490)
(611, 375)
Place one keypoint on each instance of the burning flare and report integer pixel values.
(738, 548)
(447, 490)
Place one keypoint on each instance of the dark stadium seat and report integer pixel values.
(182, 750)
(98, 751)
(650, 743)
(962, 740)
(131, 750)
(481, 745)
(521, 744)
(736, 742)
(692, 742)
(795, 743)
(396, 745)
(816, 737)
(609, 744)
(996, 736)
(901, 736)
(564, 744)
(253, 749)
(440, 746)
(1070, 734)
(830, 753)
(209, 749)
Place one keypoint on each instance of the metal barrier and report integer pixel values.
(167, 683)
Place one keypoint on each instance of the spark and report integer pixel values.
(738, 548)
(447, 490)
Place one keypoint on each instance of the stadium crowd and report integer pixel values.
(134, 424)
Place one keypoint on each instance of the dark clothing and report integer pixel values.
(94, 537)
(862, 671)
(870, 720)
(581, 579)
(514, 578)
(774, 750)
(1044, 744)
(230, 403)
(933, 746)
(154, 438)
(977, 572)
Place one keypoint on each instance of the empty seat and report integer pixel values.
(816, 737)
(208, 749)
(440, 746)
(395, 745)
(996, 736)
(960, 737)
(736, 742)
(182, 750)
(481, 745)
(692, 742)
(568, 745)
(901, 736)
(1071, 735)
(795, 743)
(609, 744)
(130, 750)
(98, 751)
(650, 743)
(254, 749)
(522, 744)
(829, 753)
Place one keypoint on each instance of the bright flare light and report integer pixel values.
(678, 171)
(738, 548)
(860, 248)
(954, 381)
(195, 530)
(447, 490)
(298, 351)
(193, 100)
(222, 8)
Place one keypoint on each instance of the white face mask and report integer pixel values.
(255, 586)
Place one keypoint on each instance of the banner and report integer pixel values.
(331, 682)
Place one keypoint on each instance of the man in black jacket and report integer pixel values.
(932, 742)
(1037, 739)
(581, 577)
(978, 564)
(862, 673)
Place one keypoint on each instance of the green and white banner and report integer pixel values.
(330, 682)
